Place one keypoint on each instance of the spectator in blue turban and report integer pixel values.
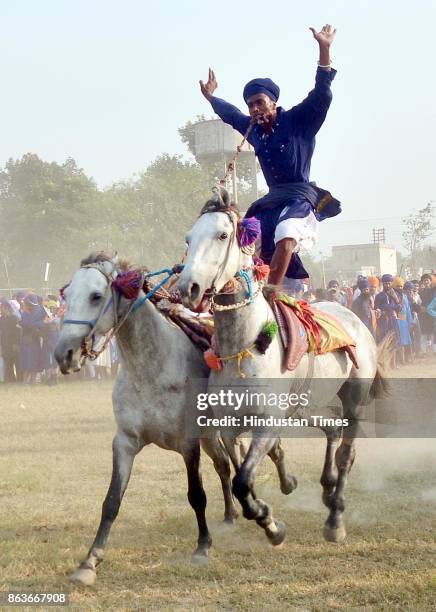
(388, 304)
(387, 278)
(363, 283)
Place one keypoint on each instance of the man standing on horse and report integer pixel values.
(284, 143)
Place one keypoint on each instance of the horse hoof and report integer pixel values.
(84, 576)
(231, 518)
(199, 558)
(337, 535)
(277, 534)
(289, 486)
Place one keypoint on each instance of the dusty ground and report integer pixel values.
(55, 446)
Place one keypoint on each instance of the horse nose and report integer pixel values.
(64, 357)
(190, 292)
(194, 291)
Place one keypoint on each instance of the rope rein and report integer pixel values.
(88, 350)
(231, 163)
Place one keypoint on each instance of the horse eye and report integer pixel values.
(95, 298)
(223, 236)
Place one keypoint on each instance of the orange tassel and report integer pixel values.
(212, 360)
(261, 271)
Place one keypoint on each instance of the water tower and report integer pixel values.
(216, 142)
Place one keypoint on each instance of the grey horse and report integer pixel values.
(149, 397)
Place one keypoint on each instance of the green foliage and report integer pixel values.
(43, 207)
(54, 213)
(419, 226)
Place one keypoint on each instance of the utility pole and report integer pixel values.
(323, 269)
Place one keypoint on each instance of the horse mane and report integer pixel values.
(96, 257)
(220, 202)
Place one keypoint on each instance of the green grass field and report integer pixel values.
(55, 445)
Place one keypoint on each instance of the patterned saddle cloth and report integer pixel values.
(305, 329)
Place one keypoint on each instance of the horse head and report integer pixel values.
(214, 255)
(91, 309)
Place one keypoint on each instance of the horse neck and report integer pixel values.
(145, 341)
(237, 329)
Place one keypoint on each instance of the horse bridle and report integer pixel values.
(249, 250)
(87, 347)
(233, 218)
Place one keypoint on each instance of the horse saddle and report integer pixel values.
(292, 334)
(305, 329)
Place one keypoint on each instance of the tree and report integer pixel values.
(419, 226)
(44, 214)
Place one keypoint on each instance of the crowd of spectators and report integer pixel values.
(30, 325)
(387, 305)
(29, 331)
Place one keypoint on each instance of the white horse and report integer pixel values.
(150, 395)
(214, 258)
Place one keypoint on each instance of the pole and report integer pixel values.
(46, 275)
(235, 188)
(7, 277)
(323, 270)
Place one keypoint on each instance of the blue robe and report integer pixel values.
(32, 324)
(387, 323)
(285, 156)
(404, 321)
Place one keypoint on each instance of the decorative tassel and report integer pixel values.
(266, 336)
(261, 271)
(129, 283)
(212, 360)
(249, 231)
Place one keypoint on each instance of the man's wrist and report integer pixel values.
(324, 56)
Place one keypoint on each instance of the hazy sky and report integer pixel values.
(109, 83)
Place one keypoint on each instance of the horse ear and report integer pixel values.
(225, 198)
(220, 201)
(115, 259)
(221, 197)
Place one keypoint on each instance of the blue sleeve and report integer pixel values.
(308, 116)
(431, 308)
(230, 114)
(382, 303)
(408, 311)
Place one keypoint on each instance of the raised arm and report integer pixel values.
(227, 112)
(309, 115)
(324, 38)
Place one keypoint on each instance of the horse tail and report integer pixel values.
(381, 388)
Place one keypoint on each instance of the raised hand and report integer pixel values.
(326, 36)
(207, 89)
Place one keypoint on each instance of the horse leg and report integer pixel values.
(288, 483)
(216, 452)
(334, 528)
(329, 477)
(237, 450)
(124, 450)
(254, 508)
(197, 499)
